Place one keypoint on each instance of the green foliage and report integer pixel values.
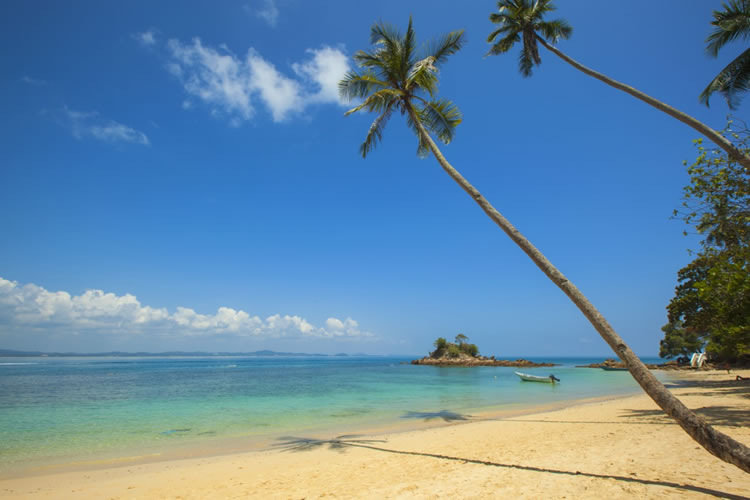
(731, 23)
(453, 351)
(442, 347)
(679, 341)
(523, 20)
(711, 305)
(397, 76)
(470, 349)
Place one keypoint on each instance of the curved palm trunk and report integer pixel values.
(688, 120)
(712, 440)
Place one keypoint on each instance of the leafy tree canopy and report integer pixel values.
(711, 305)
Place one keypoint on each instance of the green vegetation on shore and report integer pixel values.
(443, 348)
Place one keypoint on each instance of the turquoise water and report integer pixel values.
(60, 410)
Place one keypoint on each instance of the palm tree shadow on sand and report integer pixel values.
(344, 441)
(446, 415)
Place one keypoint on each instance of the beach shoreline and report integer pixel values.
(614, 446)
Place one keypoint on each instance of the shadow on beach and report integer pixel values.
(448, 416)
(715, 415)
(715, 388)
(341, 443)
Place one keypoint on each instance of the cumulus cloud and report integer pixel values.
(326, 68)
(89, 124)
(230, 85)
(107, 313)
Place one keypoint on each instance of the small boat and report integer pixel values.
(536, 378)
(613, 369)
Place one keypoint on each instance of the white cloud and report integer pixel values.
(327, 67)
(281, 94)
(230, 85)
(89, 124)
(220, 80)
(268, 11)
(146, 38)
(106, 313)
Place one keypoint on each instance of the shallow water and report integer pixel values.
(60, 410)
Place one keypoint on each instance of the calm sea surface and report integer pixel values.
(64, 410)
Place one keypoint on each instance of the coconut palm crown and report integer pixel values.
(730, 24)
(396, 75)
(522, 20)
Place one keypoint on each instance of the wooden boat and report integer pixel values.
(536, 378)
(613, 369)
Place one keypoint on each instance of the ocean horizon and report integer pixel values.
(56, 412)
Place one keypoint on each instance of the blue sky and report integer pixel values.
(180, 176)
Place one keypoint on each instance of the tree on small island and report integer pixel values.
(454, 350)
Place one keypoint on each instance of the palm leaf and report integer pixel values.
(525, 61)
(441, 118)
(445, 46)
(505, 44)
(555, 30)
(355, 85)
(731, 81)
(375, 133)
(423, 150)
(377, 101)
(731, 23)
(409, 46)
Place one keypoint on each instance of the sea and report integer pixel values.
(60, 413)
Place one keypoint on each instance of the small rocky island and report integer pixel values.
(462, 353)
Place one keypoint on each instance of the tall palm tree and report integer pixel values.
(394, 76)
(523, 21)
(730, 24)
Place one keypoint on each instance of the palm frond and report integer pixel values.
(525, 62)
(359, 85)
(731, 81)
(505, 44)
(555, 30)
(409, 46)
(375, 133)
(441, 118)
(389, 49)
(731, 23)
(446, 46)
(503, 30)
(367, 60)
(423, 150)
(382, 33)
(377, 101)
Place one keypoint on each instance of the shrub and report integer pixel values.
(470, 349)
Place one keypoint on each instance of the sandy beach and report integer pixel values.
(605, 449)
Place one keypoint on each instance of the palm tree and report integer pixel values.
(731, 23)
(523, 21)
(395, 77)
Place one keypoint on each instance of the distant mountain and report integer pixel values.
(12, 353)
